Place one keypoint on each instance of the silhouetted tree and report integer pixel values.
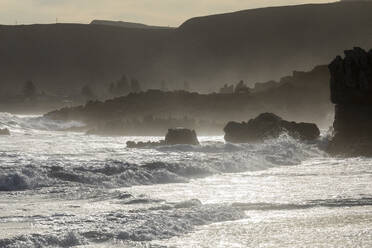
(122, 86)
(135, 86)
(87, 92)
(163, 86)
(241, 88)
(29, 89)
(186, 86)
(112, 88)
(227, 89)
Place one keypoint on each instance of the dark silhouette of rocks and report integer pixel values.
(4, 131)
(268, 125)
(351, 91)
(174, 136)
(255, 45)
(132, 144)
(351, 77)
(181, 136)
(303, 96)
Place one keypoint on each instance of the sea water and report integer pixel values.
(68, 189)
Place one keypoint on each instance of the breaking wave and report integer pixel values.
(81, 169)
(139, 225)
(110, 173)
(22, 123)
(20, 170)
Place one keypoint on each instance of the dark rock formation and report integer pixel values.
(268, 125)
(4, 131)
(132, 144)
(351, 78)
(181, 136)
(176, 136)
(351, 91)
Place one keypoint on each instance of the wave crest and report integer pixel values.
(23, 123)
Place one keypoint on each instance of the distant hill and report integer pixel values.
(254, 45)
(303, 96)
(126, 24)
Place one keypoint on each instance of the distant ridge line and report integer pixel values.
(127, 24)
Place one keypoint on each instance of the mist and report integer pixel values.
(185, 123)
(160, 13)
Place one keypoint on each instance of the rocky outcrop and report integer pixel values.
(268, 125)
(181, 136)
(132, 144)
(351, 91)
(4, 131)
(351, 78)
(175, 136)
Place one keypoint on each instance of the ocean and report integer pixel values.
(68, 189)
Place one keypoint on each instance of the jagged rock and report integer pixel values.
(4, 131)
(351, 91)
(181, 136)
(268, 125)
(177, 136)
(351, 78)
(132, 144)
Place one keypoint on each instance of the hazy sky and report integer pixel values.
(156, 12)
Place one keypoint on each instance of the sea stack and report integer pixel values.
(351, 92)
(174, 136)
(181, 136)
(268, 125)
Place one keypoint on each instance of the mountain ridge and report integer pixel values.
(254, 45)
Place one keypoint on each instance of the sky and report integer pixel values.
(153, 12)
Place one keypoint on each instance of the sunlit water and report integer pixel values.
(63, 189)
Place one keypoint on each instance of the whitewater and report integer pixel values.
(68, 189)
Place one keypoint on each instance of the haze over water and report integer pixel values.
(185, 124)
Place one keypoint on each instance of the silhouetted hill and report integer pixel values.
(126, 24)
(303, 96)
(262, 44)
(64, 57)
(254, 45)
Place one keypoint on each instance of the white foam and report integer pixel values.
(22, 123)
